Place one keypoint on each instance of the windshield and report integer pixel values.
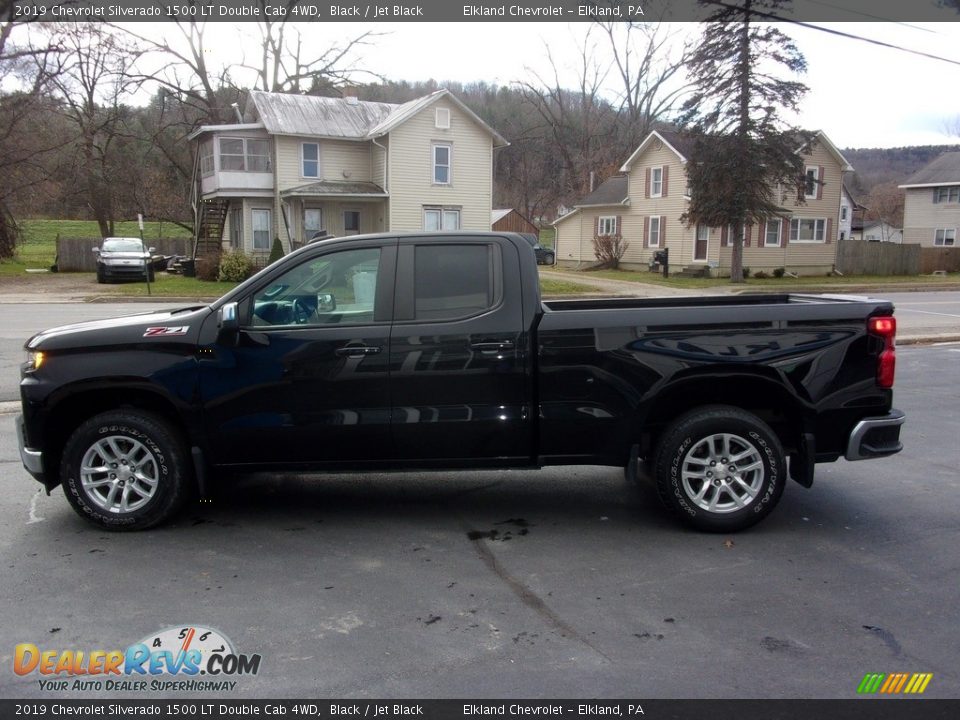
(122, 245)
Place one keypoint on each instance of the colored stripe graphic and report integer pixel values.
(894, 683)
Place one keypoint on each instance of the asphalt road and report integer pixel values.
(921, 313)
(371, 586)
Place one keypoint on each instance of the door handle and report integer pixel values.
(492, 347)
(356, 350)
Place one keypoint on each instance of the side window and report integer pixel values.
(454, 281)
(334, 289)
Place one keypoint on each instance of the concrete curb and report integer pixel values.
(928, 339)
(7, 408)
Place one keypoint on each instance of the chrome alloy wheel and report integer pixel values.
(119, 474)
(722, 473)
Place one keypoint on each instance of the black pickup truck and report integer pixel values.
(436, 352)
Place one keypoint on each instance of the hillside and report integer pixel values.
(875, 166)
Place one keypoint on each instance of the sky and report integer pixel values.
(860, 94)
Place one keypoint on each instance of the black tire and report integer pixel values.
(715, 496)
(151, 275)
(156, 490)
(550, 259)
(100, 278)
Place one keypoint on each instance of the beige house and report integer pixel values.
(300, 164)
(931, 211)
(644, 205)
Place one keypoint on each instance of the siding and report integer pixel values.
(410, 170)
(336, 156)
(922, 217)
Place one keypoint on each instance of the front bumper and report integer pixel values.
(32, 459)
(876, 437)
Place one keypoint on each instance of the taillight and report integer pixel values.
(885, 328)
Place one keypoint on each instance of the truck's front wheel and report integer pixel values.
(125, 470)
(721, 469)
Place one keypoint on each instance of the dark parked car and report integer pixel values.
(545, 256)
(123, 258)
(435, 351)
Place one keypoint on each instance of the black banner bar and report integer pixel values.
(454, 11)
(860, 709)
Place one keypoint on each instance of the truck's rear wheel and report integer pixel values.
(721, 469)
(125, 470)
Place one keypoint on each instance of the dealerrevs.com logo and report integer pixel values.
(894, 683)
(178, 658)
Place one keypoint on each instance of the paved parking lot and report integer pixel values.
(561, 582)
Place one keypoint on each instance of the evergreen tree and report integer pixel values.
(742, 151)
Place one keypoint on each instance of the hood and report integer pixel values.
(178, 324)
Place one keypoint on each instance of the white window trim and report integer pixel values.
(766, 234)
(650, 242)
(253, 230)
(816, 181)
(743, 234)
(441, 210)
(303, 162)
(610, 220)
(843, 212)
(944, 243)
(434, 165)
(659, 193)
(245, 154)
(798, 220)
(442, 118)
(303, 219)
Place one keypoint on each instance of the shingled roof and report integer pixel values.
(612, 191)
(945, 170)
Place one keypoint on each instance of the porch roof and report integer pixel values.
(333, 188)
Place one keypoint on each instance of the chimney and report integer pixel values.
(593, 179)
(351, 94)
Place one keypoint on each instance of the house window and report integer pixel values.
(945, 236)
(261, 229)
(656, 182)
(437, 218)
(351, 222)
(807, 230)
(653, 237)
(810, 186)
(206, 159)
(732, 233)
(312, 222)
(772, 236)
(310, 155)
(236, 228)
(607, 225)
(946, 194)
(442, 118)
(244, 155)
(441, 164)
(843, 212)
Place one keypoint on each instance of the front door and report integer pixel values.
(307, 381)
(458, 356)
(701, 246)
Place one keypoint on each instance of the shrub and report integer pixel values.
(778, 272)
(609, 249)
(235, 267)
(276, 251)
(761, 275)
(208, 267)
(746, 273)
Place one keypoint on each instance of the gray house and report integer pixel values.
(931, 210)
(298, 164)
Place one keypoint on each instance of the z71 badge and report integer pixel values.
(166, 331)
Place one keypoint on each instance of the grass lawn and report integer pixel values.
(549, 286)
(170, 286)
(39, 246)
(784, 283)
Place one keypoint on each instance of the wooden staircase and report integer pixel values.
(696, 271)
(213, 218)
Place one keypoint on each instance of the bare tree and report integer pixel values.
(885, 203)
(91, 87)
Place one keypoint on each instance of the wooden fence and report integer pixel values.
(76, 254)
(939, 258)
(860, 257)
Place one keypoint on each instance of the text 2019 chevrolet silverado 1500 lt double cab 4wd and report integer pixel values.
(436, 352)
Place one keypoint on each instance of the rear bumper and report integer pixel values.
(876, 437)
(32, 459)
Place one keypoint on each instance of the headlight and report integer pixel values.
(35, 359)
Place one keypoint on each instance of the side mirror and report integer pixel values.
(96, 250)
(228, 323)
(151, 250)
(326, 303)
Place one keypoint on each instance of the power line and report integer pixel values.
(831, 31)
(868, 15)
